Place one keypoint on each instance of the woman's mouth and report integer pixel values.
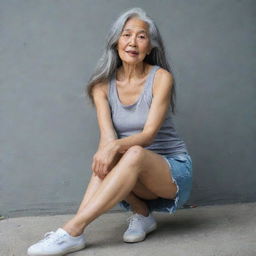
(132, 53)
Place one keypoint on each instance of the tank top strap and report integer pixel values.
(149, 85)
(111, 93)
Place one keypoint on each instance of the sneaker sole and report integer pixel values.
(139, 239)
(76, 248)
(73, 249)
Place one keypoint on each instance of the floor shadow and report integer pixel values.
(181, 225)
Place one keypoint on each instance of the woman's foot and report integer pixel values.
(139, 227)
(56, 243)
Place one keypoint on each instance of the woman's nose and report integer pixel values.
(132, 40)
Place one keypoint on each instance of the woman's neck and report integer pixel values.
(129, 73)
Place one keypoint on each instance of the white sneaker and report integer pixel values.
(139, 227)
(57, 243)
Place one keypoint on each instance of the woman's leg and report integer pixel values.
(134, 198)
(136, 163)
(92, 187)
(137, 205)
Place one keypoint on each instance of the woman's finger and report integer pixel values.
(104, 170)
(97, 167)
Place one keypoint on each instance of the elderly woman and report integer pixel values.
(141, 162)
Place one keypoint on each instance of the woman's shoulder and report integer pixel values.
(162, 77)
(162, 71)
(101, 87)
(162, 74)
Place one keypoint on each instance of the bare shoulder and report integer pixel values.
(100, 89)
(163, 74)
(163, 78)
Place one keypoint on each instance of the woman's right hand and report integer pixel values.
(97, 168)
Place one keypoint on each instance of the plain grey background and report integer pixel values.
(48, 129)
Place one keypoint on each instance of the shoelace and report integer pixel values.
(133, 220)
(50, 235)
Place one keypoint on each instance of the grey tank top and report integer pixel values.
(130, 119)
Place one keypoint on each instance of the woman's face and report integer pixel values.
(134, 43)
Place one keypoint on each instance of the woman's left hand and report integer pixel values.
(103, 159)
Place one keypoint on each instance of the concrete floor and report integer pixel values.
(222, 230)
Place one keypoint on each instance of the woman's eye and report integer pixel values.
(129, 35)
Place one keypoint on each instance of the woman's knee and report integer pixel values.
(135, 150)
(134, 154)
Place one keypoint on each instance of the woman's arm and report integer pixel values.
(106, 156)
(107, 131)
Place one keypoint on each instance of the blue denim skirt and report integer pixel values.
(181, 169)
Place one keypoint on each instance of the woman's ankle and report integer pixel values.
(73, 229)
(137, 204)
(142, 210)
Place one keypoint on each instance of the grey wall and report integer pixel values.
(49, 132)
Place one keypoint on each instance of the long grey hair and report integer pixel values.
(110, 60)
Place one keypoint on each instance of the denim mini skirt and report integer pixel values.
(181, 169)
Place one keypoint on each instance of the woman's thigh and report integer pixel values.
(142, 192)
(155, 173)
